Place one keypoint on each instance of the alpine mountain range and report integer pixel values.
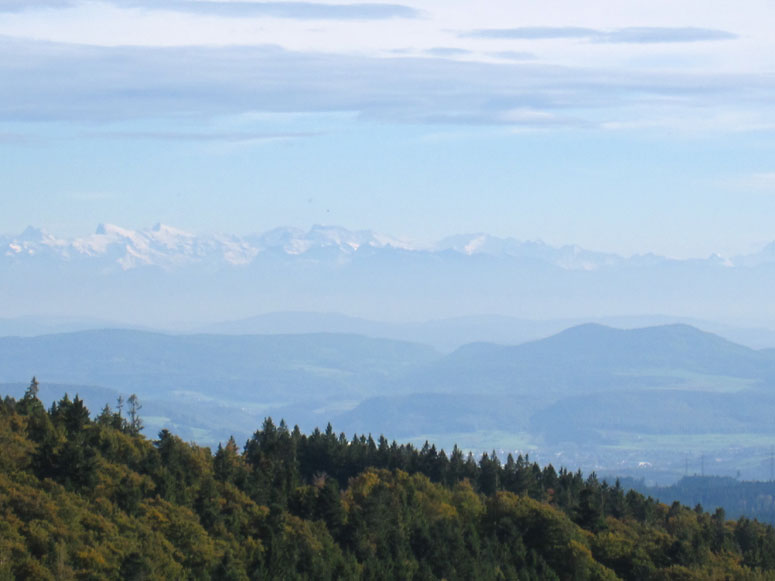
(163, 275)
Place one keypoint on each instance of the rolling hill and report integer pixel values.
(593, 391)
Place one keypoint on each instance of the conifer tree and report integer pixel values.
(32, 389)
(135, 423)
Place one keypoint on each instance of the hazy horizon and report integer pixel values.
(164, 276)
(385, 237)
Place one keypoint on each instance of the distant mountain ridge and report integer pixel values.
(592, 391)
(156, 277)
(169, 247)
(594, 357)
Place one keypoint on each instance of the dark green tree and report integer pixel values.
(135, 423)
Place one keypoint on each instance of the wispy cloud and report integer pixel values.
(632, 35)
(240, 9)
(749, 118)
(513, 55)
(446, 51)
(23, 5)
(648, 35)
(14, 139)
(296, 10)
(226, 137)
(532, 118)
(760, 182)
(532, 32)
(66, 82)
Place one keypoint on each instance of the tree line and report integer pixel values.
(92, 498)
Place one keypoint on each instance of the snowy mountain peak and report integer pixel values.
(337, 236)
(160, 229)
(295, 241)
(114, 231)
(571, 257)
(31, 242)
(167, 247)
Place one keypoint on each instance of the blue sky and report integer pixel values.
(621, 126)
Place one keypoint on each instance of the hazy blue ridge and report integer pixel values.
(605, 398)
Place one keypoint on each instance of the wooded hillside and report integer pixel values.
(84, 498)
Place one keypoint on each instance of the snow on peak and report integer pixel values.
(465, 243)
(160, 229)
(295, 241)
(571, 257)
(161, 245)
(347, 240)
(115, 231)
(476, 244)
(382, 241)
(32, 242)
(168, 247)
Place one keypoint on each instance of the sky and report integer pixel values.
(628, 127)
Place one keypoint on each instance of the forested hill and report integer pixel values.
(84, 498)
(754, 499)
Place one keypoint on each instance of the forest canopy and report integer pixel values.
(85, 497)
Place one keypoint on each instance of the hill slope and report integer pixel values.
(277, 366)
(591, 392)
(594, 357)
(83, 498)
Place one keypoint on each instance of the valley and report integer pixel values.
(627, 402)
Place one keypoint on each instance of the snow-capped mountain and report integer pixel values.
(162, 246)
(570, 257)
(164, 273)
(34, 242)
(295, 241)
(170, 248)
